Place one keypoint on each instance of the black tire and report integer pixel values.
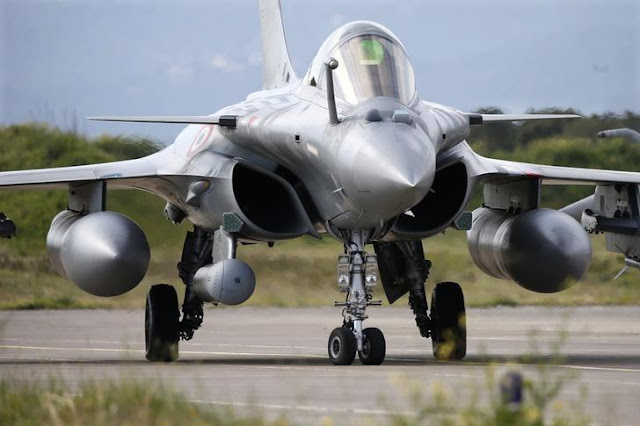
(162, 318)
(448, 322)
(374, 347)
(342, 346)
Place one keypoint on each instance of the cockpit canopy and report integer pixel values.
(372, 62)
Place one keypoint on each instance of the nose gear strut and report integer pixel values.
(357, 275)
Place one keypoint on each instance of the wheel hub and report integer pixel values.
(336, 347)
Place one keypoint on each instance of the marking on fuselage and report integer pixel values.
(200, 141)
(252, 121)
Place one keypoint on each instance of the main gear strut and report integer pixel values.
(196, 253)
(403, 269)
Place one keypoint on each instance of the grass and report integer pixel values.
(301, 273)
(110, 403)
(492, 402)
(107, 403)
(481, 404)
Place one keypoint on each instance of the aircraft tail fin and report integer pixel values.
(276, 64)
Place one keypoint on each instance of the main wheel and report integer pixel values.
(374, 347)
(161, 323)
(342, 346)
(448, 322)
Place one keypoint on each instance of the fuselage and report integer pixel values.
(361, 173)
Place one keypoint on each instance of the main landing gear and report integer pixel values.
(448, 322)
(357, 276)
(161, 323)
(163, 327)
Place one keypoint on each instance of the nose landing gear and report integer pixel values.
(357, 276)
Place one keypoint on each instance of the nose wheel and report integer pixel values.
(342, 346)
(374, 347)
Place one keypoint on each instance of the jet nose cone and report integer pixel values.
(393, 172)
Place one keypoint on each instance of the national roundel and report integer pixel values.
(200, 141)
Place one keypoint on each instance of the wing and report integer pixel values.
(222, 121)
(125, 174)
(122, 173)
(485, 169)
(493, 169)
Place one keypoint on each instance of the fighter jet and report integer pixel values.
(348, 150)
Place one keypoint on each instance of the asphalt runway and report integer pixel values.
(274, 360)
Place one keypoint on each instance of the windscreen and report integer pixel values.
(370, 66)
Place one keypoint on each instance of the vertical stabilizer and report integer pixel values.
(276, 64)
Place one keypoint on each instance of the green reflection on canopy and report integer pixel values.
(372, 52)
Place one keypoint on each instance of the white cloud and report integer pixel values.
(255, 58)
(179, 72)
(224, 63)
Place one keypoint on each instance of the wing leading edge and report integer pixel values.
(477, 119)
(223, 120)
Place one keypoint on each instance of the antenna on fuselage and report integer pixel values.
(331, 65)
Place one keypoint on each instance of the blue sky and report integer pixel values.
(62, 59)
